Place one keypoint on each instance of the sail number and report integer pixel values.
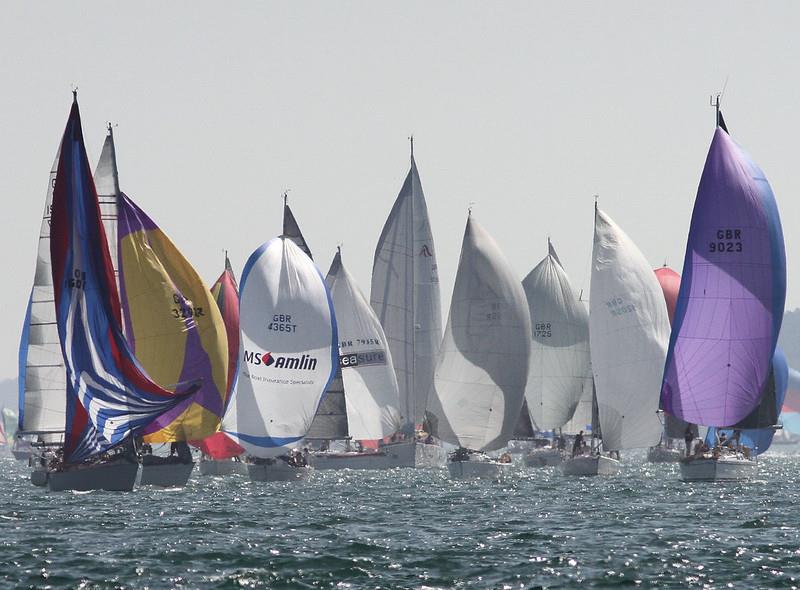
(185, 310)
(282, 323)
(77, 280)
(618, 307)
(728, 240)
(542, 330)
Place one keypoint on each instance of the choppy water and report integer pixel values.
(409, 529)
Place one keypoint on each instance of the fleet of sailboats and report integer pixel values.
(124, 346)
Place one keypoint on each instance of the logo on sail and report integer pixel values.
(425, 252)
(362, 359)
(301, 363)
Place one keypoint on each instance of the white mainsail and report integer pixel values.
(405, 295)
(629, 333)
(482, 364)
(559, 363)
(582, 418)
(42, 374)
(106, 182)
(370, 384)
(288, 353)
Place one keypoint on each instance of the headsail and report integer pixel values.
(370, 384)
(288, 349)
(628, 333)
(109, 396)
(42, 381)
(482, 365)
(173, 326)
(405, 295)
(731, 299)
(559, 363)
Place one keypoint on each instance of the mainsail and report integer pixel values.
(173, 326)
(42, 381)
(288, 349)
(405, 295)
(628, 333)
(109, 397)
(559, 363)
(292, 231)
(370, 384)
(731, 299)
(482, 366)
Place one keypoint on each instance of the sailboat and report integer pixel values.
(482, 366)
(628, 334)
(41, 376)
(220, 454)
(288, 357)
(109, 398)
(172, 325)
(730, 307)
(559, 362)
(405, 297)
(365, 384)
(668, 450)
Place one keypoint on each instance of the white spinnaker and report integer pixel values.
(559, 362)
(370, 384)
(288, 349)
(629, 333)
(482, 364)
(405, 295)
(44, 406)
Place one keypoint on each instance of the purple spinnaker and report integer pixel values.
(731, 299)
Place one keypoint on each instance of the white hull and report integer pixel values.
(590, 465)
(119, 476)
(478, 469)
(222, 467)
(664, 455)
(542, 458)
(721, 469)
(401, 455)
(166, 475)
(278, 471)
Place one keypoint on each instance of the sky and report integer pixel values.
(525, 110)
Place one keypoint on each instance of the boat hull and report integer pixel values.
(590, 465)
(119, 476)
(478, 469)
(542, 458)
(664, 455)
(277, 471)
(401, 455)
(39, 477)
(721, 469)
(223, 467)
(166, 475)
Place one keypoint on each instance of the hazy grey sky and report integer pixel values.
(525, 108)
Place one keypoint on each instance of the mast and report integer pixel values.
(413, 301)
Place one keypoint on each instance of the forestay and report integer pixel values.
(405, 295)
(42, 381)
(628, 333)
(559, 362)
(370, 384)
(173, 325)
(288, 349)
(482, 365)
(731, 300)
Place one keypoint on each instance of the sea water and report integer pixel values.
(410, 529)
